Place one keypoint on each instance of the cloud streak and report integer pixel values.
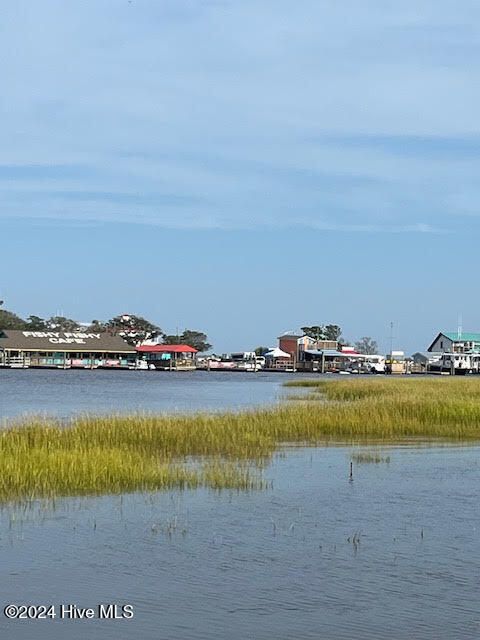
(357, 116)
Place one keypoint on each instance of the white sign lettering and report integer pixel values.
(58, 337)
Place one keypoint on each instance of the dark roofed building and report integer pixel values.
(64, 350)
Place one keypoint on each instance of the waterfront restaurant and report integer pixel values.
(64, 350)
(180, 357)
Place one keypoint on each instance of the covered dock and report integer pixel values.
(168, 357)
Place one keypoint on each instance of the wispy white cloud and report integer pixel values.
(356, 116)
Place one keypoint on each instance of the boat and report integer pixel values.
(458, 364)
(140, 365)
(245, 361)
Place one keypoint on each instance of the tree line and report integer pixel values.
(133, 329)
(136, 329)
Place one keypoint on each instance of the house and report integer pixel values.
(297, 345)
(456, 342)
(458, 352)
(178, 357)
(64, 350)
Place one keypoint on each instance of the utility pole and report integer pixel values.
(391, 347)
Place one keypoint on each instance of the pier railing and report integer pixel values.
(17, 361)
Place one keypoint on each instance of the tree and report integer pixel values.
(317, 332)
(133, 329)
(323, 332)
(60, 323)
(260, 351)
(97, 326)
(195, 339)
(333, 332)
(35, 323)
(366, 345)
(10, 320)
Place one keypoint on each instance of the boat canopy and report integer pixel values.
(277, 353)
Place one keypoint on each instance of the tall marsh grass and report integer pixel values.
(117, 454)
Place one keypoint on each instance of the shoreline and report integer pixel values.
(91, 455)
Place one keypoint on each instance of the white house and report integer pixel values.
(456, 342)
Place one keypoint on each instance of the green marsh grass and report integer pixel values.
(118, 454)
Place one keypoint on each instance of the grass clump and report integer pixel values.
(367, 457)
(117, 454)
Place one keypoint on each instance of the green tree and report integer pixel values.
(97, 326)
(35, 323)
(10, 320)
(323, 332)
(196, 339)
(133, 329)
(260, 351)
(317, 332)
(366, 345)
(333, 332)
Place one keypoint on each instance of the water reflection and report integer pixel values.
(393, 554)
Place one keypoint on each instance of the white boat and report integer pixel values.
(247, 361)
(457, 364)
(139, 365)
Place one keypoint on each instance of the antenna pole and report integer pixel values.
(391, 342)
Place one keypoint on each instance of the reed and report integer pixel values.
(116, 454)
(369, 457)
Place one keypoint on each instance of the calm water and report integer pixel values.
(64, 393)
(281, 564)
(272, 565)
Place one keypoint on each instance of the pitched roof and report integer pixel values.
(166, 348)
(61, 341)
(453, 336)
(464, 337)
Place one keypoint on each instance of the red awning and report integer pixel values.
(166, 348)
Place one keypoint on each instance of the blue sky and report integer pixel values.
(243, 168)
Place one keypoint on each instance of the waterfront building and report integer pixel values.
(289, 343)
(64, 350)
(179, 357)
(456, 342)
(297, 345)
(457, 352)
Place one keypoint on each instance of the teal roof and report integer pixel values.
(464, 337)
